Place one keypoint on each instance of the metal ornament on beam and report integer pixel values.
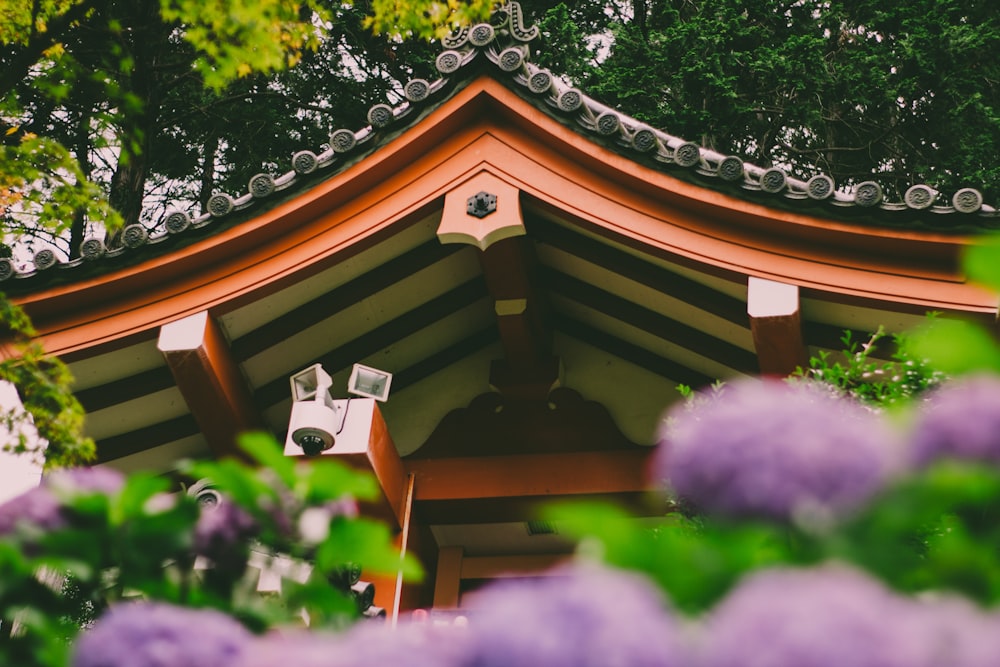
(481, 211)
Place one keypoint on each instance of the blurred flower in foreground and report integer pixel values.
(829, 616)
(961, 420)
(142, 634)
(222, 532)
(585, 616)
(44, 507)
(364, 645)
(769, 448)
(957, 633)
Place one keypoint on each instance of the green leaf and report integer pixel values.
(266, 451)
(954, 347)
(328, 479)
(982, 262)
(366, 542)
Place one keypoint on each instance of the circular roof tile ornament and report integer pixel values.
(773, 181)
(261, 185)
(919, 196)
(511, 59)
(380, 115)
(687, 154)
(569, 100)
(177, 221)
(608, 123)
(731, 169)
(868, 194)
(305, 162)
(219, 204)
(448, 62)
(482, 34)
(92, 248)
(540, 82)
(416, 90)
(136, 235)
(819, 187)
(342, 141)
(644, 140)
(7, 269)
(967, 200)
(457, 38)
(44, 259)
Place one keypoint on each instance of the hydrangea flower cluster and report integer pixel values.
(159, 635)
(221, 531)
(769, 448)
(583, 617)
(960, 420)
(364, 645)
(44, 507)
(832, 616)
(821, 617)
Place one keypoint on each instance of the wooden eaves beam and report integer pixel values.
(493, 489)
(776, 325)
(210, 381)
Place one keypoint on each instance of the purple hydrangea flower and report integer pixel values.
(159, 635)
(585, 616)
(957, 633)
(221, 533)
(36, 507)
(960, 419)
(85, 480)
(769, 448)
(364, 645)
(43, 507)
(830, 616)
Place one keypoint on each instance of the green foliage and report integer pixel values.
(141, 542)
(958, 347)
(935, 529)
(235, 38)
(857, 373)
(693, 560)
(51, 412)
(858, 89)
(425, 18)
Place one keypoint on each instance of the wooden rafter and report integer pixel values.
(210, 380)
(773, 309)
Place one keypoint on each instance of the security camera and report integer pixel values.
(314, 421)
(207, 498)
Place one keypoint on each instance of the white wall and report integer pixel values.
(17, 473)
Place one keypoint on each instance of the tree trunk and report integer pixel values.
(208, 170)
(139, 122)
(78, 228)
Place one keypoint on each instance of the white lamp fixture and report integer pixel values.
(313, 424)
(369, 382)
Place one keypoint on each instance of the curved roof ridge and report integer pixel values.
(504, 42)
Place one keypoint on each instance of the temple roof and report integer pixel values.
(502, 50)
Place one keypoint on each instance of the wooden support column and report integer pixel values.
(364, 443)
(448, 581)
(776, 326)
(209, 378)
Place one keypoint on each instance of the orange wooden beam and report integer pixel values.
(448, 578)
(534, 475)
(776, 325)
(210, 380)
(501, 567)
